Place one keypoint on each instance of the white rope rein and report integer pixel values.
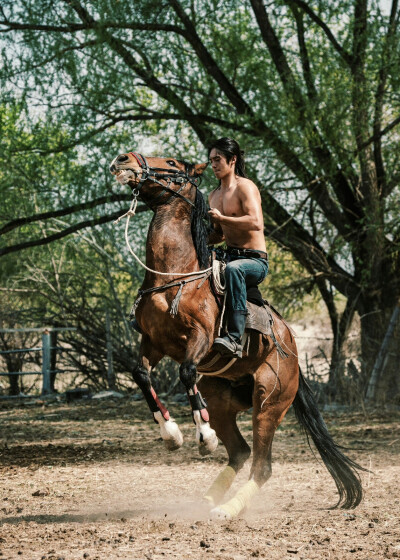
(131, 212)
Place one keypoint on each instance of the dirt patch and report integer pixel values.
(92, 480)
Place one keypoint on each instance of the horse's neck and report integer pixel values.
(170, 245)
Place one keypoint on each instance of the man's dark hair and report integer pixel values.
(228, 147)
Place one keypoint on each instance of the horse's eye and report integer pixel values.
(171, 162)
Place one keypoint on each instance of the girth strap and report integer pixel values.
(175, 303)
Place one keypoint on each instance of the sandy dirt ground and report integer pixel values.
(92, 480)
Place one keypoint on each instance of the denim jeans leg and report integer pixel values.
(240, 273)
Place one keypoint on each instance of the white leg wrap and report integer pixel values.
(237, 504)
(205, 435)
(220, 486)
(170, 432)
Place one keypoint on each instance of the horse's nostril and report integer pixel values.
(112, 168)
(122, 158)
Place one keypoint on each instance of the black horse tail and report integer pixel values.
(343, 470)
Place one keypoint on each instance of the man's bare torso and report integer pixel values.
(239, 200)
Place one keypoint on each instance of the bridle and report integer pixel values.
(155, 174)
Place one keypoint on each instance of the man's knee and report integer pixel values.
(233, 270)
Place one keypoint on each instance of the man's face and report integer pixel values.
(219, 164)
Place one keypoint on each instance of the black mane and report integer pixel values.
(200, 221)
(201, 227)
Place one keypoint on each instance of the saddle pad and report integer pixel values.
(259, 319)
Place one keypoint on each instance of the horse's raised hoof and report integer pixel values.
(208, 441)
(170, 432)
(218, 513)
(172, 436)
(205, 435)
(173, 445)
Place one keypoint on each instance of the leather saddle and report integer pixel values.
(259, 320)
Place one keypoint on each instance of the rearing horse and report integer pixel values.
(179, 317)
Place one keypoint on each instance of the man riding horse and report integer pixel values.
(238, 220)
(179, 316)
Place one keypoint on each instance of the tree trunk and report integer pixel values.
(387, 348)
(375, 320)
(338, 361)
(14, 385)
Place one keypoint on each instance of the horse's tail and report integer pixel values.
(343, 470)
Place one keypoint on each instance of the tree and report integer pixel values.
(310, 90)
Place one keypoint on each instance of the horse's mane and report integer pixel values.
(200, 227)
(200, 224)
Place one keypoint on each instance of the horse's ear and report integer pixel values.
(199, 168)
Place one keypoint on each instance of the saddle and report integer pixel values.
(259, 320)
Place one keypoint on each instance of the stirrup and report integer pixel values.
(227, 346)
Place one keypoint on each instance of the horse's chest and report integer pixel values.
(153, 314)
(152, 308)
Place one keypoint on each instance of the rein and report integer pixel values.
(175, 177)
(131, 212)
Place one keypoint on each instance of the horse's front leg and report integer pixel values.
(169, 429)
(205, 435)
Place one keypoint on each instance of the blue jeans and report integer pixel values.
(240, 273)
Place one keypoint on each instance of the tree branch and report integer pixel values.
(149, 78)
(54, 57)
(278, 56)
(75, 27)
(199, 118)
(360, 108)
(333, 172)
(64, 211)
(209, 63)
(67, 231)
(304, 247)
(305, 61)
(316, 19)
(379, 97)
(378, 135)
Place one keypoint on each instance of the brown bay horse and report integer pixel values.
(262, 380)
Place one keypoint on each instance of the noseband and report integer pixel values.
(171, 177)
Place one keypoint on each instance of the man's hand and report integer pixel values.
(215, 215)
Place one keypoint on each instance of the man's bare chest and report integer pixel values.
(227, 203)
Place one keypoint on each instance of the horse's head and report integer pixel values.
(171, 174)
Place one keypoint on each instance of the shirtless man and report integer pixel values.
(235, 210)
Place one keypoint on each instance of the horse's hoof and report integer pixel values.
(208, 502)
(170, 432)
(220, 514)
(209, 443)
(174, 439)
(172, 445)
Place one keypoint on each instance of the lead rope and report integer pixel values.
(131, 212)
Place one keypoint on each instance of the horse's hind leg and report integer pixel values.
(224, 402)
(275, 387)
(170, 431)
